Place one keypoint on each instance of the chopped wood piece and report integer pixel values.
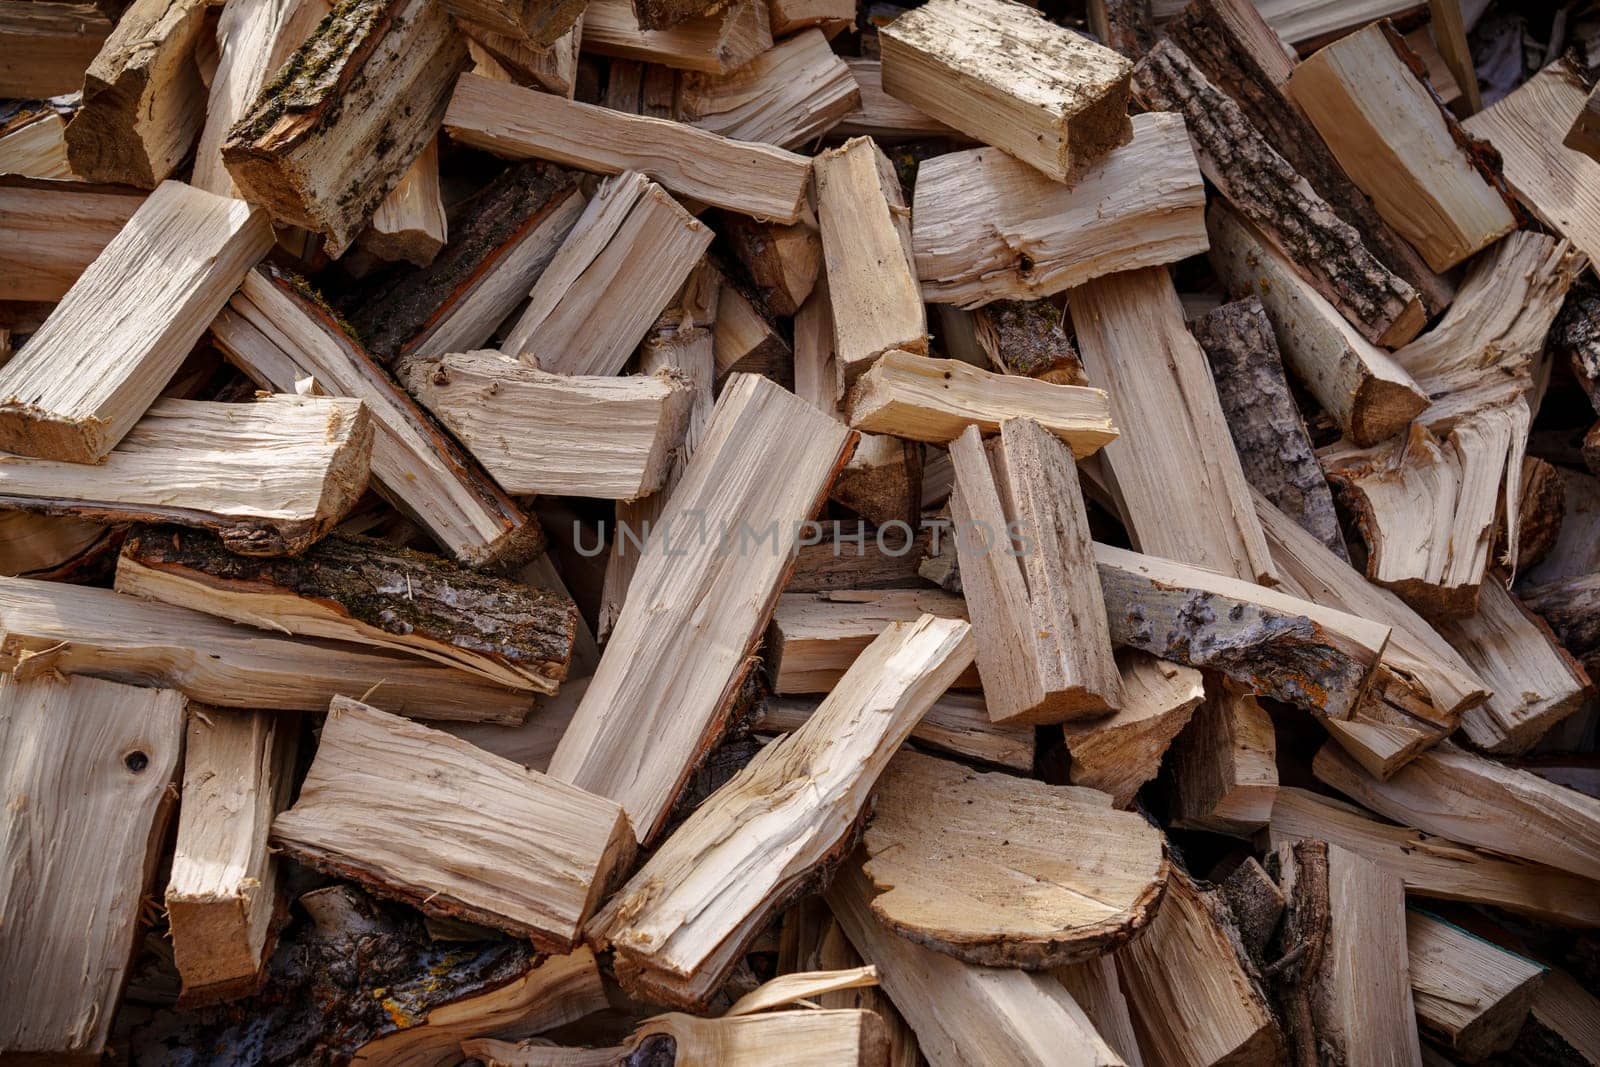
(1584, 136)
(831, 16)
(1571, 607)
(278, 333)
(686, 917)
(1566, 1015)
(222, 897)
(1193, 1001)
(935, 400)
(1400, 145)
(1119, 753)
(126, 325)
(957, 871)
(82, 630)
(620, 266)
(1005, 74)
(1257, 905)
(361, 590)
(1540, 507)
(51, 231)
(786, 96)
(40, 546)
(957, 723)
(673, 666)
(338, 126)
(866, 245)
(143, 102)
(1044, 647)
(410, 224)
(783, 262)
(716, 44)
(389, 803)
(832, 558)
(48, 46)
(881, 116)
(518, 123)
(745, 341)
(535, 24)
(87, 785)
(664, 14)
(1093, 985)
(554, 69)
(35, 147)
(986, 227)
(1576, 551)
(815, 637)
(1126, 25)
(1270, 437)
(1027, 337)
(1180, 485)
(1470, 994)
(1224, 766)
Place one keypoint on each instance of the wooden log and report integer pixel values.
(1224, 766)
(1003, 73)
(1571, 608)
(278, 333)
(1126, 25)
(811, 939)
(830, 558)
(957, 723)
(534, 24)
(51, 231)
(815, 637)
(41, 546)
(126, 325)
(787, 96)
(1540, 507)
(1044, 647)
(48, 46)
(747, 341)
(948, 856)
(1119, 753)
(383, 804)
(832, 17)
(222, 898)
(1584, 136)
(1564, 1017)
(622, 263)
(672, 682)
(410, 224)
(1576, 551)
(79, 630)
(783, 262)
(1470, 994)
(1027, 337)
(717, 44)
(554, 69)
(34, 145)
(754, 841)
(1138, 206)
(89, 766)
(882, 117)
(1093, 985)
(327, 139)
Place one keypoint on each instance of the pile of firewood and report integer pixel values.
(767, 532)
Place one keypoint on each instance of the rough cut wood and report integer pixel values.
(1025, 337)
(747, 341)
(341, 122)
(35, 146)
(48, 46)
(935, 400)
(783, 262)
(363, 591)
(786, 96)
(1567, 1014)
(975, 212)
(1120, 752)
(688, 915)
(51, 231)
(554, 69)
(431, 820)
(410, 224)
(1005, 74)
(674, 663)
(89, 767)
(815, 637)
(278, 334)
(222, 896)
(1471, 994)
(881, 116)
(717, 43)
(958, 871)
(1584, 136)
(42, 546)
(126, 325)
(538, 24)
(957, 723)
(1044, 647)
(831, 16)
(1093, 985)
(1224, 766)
(1399, 144)
(50, 626)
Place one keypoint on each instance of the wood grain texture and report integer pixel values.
(716, 44)
(1120, 752)
(51, 231)
(957, 723)
(1471, 995)
(48, 47)
(1224, 765)
(788, 95)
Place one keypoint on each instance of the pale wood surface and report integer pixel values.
(410, 224)
(786, 96)
(881, 116)
(1093, 984)
(1471, 994)
(1224, 765)
(532, 24)
(554, 69)
(716, 44)
(1120, 752)
(814, 637)
(51, 231)
(831, 16)
(37, 148)
(48, 46)
(957, 723)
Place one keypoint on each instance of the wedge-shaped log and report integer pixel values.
(279, 334)
(718, 43)
(684, 920)
(1044, 647)
(50, 626)
(866, 246)
(673, 666)
(410, 223)
(33, 143)
(364, 591)
(951, 849)
(43, 546)
(986, 227)
(787, 96)
(520, 123)
(52, 230)
(347, 115)
(783, 262)
(957, 723)
(537, 24)
(1400, 145)
(936, 400)
(1120, 752)
(48, 46)
(621, 265)
(88, 770)
(554, 69)
(1006, 75)
(269, 478)
(1224, 766)
(126, 325)
(814, 637)
(1471, 994)
(391, 804)
(745, 340)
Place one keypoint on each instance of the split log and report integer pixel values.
(783, 262)
(554, 69)
(786, 96)
(620, 266)
(973, 212)
(41, 546)
(957, 871)
(338, 126)
(935, 400)
(222, 898)
(410, 224)
(1408, 154)
(1044, 647)
(1571, 608)
(385, 803)
(1126, 25)
(1119, 753)
(1470, 994)
(363, 591)
(1224, 766)
(810, 938)
(746, 341)
(125, 326)
(882, 117)
(143, 102)
(79, 630)
(1268, 434)
(51, 231)
(1576, 551)
(269, 478)
(717, 44)
(1540, 508)
(1006, 75)
(664, 14)
(534, 24)
(1564, 1018)
(1180, 485)
(1576, 335)
(1026, 337)
(89, 768)
(519, 123)
(48, 46)
(957, 723)
(1234, 156)
(815, 637)
(35, 145)
(673, 665)
(1368, 394)
(278, 334)
(832, 17)
(830, 558)
(1093, 985)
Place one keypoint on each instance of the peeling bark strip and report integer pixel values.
(336, 130)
